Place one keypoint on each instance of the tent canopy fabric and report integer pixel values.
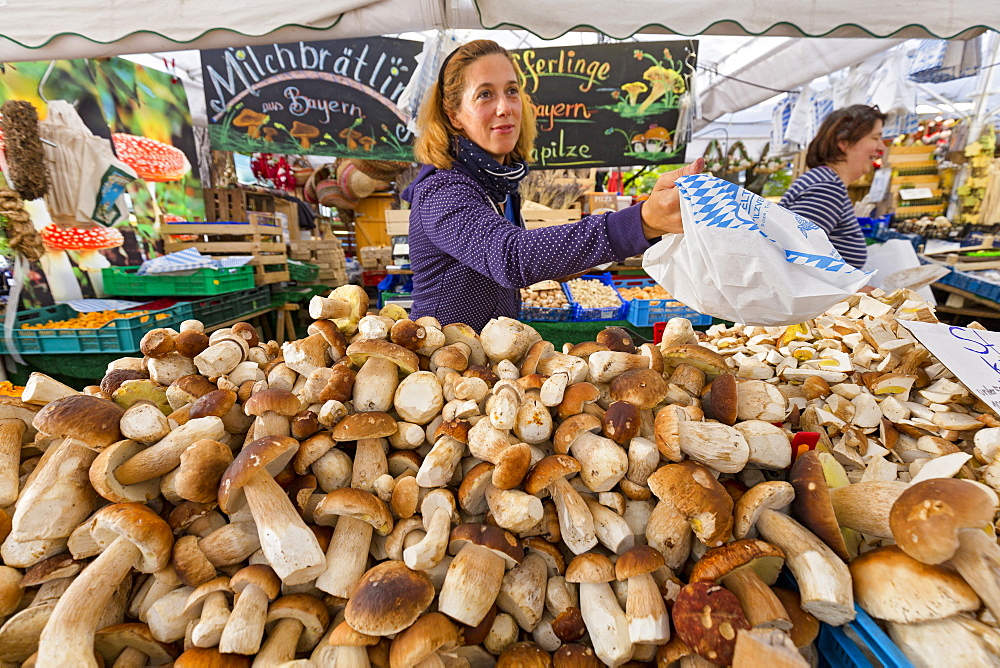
(49, 29)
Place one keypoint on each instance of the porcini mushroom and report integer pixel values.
(605, 620)
(356, 513)
(482, 554)
(304, 133)
(644, 607)
(575, 520)
(255, 585)
(707, 618)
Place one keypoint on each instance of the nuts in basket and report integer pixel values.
(590, 293)
(645, 292)
(545, 294)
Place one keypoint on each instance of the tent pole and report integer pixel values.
(985, 84)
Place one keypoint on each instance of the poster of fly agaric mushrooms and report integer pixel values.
(608, 104)
(335, 97)
(144, 113)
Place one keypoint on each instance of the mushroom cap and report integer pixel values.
(305, 609)
(408, 334)
(926, 518)
(364, 425)
(190, 343)
(270, 453)
(103, 479)
(805, 627)
(247, 117)
(113, 379)
(500, 542)
(200, 657)
(431, 633)
(141, 526)
(201, 468)
(406, 360)
(548, 470)
(311, 449)
(188, 389)
(575, 655)
(216, 403)
(621, 422)
(658, 132)
(707, 618)
(197, 598)
(536, 353)
(81, 238)
(524, 655)
(572, 427)
(113, 640)
(281, 402)
(356, 503)
(884, 585)
(344, 636)
(388, 598)
(576, 397)
(333, 336)
(59, 566)
(586, 348)
(643, 388)
(549, 552)
(483, 372)
(699, 497)
(152, 160)
(813, 505)
(90, 420)
(769, 495)
(259, 575)
(617, 339)
(300, 129)
(457, 429)
(590, 567)
(765, 559)
(638, 560)
(721, 400)
(568, 625)
(700, 357)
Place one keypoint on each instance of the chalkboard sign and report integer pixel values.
(607, 104)
(336, 97)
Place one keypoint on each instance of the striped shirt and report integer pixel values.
(820, 195)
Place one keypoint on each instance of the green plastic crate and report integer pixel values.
(303, 272)
(121, 335)
(233, 306)
(123, 281)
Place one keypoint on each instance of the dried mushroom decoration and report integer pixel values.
(15, 225)
(25, 156)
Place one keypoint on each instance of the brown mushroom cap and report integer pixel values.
(700, 357)
(457, 429)
(310, 450)
(482, 372)
(812, 504)
(113, 640)
(699, 497)
(55, 567)
(364, 425)
(388, 598)
(344, 636)
(199, 657)
(187, 389)
(197, 598)
(216, 403)
(617, 339)
(271, 400)
(260, 575)
(621, 422)
(356, 503)
(572, 427)
(548, 470)
(538, 351)
(406, 360)
(201, 468)
(926, 518)
(191, 343)
(524, 655)
(431, 633)
(89, 420)
(500, 542)
(333, 336)
(575, 655)
(247, 331)
(886, 586)
(765, 559)
(576, 397)
(113, 379)
(707, 618)
(805, 627)
(585, 349)
(190, 563)
(305, 609)
(568, 625)
(638, 560)
(550, 552)
(590, 567)
(271, 453)
(141, 526)
(720, 401)
(643, 388)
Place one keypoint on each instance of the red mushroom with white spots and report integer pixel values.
(154, 162)
(87, 241)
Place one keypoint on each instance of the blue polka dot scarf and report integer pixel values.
(499, 180)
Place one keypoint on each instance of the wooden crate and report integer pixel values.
(535, 218)
(397, 222)
(261, 237)
(233, 204)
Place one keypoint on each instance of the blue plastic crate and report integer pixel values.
(971, 283)
(860, 644)
(581, 314)
(647, 312)
(545, 314)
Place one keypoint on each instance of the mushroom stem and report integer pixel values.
(576, 522)
(245, 627)
(864, 506)
(60, 278)
(607, 624)
(230, 544)
(646, 611)
(760, 605)
(11, 432)
(157, 212)
(68, 638)
(280, 644)
(978, 561)
(288, 544)
(271, 424)
(130, 658)
(350, 657)
(214, 615)
(92, 262)
(369, 463)
(346, 557)
(375, 385)
(472, 584)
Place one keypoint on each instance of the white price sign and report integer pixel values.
(908, 194)
(973, 355)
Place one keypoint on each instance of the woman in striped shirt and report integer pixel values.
(847, 142)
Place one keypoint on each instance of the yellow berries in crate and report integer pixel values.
(91, 320)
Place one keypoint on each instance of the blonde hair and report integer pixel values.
(433, 145)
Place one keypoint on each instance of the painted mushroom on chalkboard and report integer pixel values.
(657, 139)
(304, 133)
(352, 136)
(634, 89)
(639, 143)
(251, 120)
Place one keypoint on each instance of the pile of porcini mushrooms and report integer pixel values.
(385, 492)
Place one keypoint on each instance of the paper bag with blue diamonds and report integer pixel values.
(745, 259)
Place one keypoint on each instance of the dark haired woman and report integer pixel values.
(469, 249)
(847, 142)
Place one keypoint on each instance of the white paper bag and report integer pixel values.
(745, 259)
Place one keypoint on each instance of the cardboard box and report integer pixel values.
(600, 202)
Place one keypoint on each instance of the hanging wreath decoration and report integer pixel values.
(715, 159)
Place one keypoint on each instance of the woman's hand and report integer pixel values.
(661, 213)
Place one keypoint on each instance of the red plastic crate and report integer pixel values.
(371, 279)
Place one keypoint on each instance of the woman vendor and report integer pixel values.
(469, 250)
(847, 142)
